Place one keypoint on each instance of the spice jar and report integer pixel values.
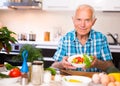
(37, 73)
(24, 79)
(46, 36)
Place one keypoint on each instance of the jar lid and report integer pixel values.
(37, 62)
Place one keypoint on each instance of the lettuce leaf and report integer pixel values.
(87, 60)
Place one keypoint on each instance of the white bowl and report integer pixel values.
(84, 81)
(70, 59)
(8, 81)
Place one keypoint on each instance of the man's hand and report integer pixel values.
(66, 64)
(93, 63)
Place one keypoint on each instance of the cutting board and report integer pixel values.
(80, 73)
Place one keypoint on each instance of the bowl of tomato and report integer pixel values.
(80, 60)
(10, 77)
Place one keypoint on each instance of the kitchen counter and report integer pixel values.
(115, 48)
(42, 44)
(53, 82)
(54, 44)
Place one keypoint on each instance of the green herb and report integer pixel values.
(9, 66)
(52, 70)
(4, 75)
(33, 53)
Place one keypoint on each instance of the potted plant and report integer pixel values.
(6, 39)
(33, 54)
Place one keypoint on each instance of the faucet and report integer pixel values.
(115, 38)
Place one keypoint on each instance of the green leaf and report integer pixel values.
(6, 39)
(87, 60)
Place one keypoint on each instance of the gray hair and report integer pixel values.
(86, 6)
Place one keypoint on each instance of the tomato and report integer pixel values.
(15, 72)
(78, 60)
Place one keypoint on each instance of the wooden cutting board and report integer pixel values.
(71, 72)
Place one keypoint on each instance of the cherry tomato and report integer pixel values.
(15, 72)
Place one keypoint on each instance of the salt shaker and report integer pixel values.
(37, 73)
(47, 76)
(57, 76)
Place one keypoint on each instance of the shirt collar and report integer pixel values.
(90, 35)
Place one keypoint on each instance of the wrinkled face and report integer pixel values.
(83, 21)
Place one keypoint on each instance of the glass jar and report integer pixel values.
(47, 76)
(37, 73)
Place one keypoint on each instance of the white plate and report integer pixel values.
(84, 81)
(70, 59)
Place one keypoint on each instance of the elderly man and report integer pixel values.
(84, 40)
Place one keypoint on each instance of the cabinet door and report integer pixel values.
(111, 5)
(97, 4)
(56, 4)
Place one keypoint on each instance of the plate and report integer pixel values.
(75, 81)
(71, 58)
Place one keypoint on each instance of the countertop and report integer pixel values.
(54, 44)
(53, 82)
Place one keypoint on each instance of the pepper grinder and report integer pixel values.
(24, 69)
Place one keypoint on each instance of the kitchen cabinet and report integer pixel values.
(56, 5)
(70, 5)
(2, 6)
(97, 4)
(116, 59)
(111, 5)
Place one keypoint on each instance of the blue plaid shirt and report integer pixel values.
(96, 45)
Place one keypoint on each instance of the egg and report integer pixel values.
(105, 80)
(101, 74)
(96, 78)
(111, 84)
(117, 83)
